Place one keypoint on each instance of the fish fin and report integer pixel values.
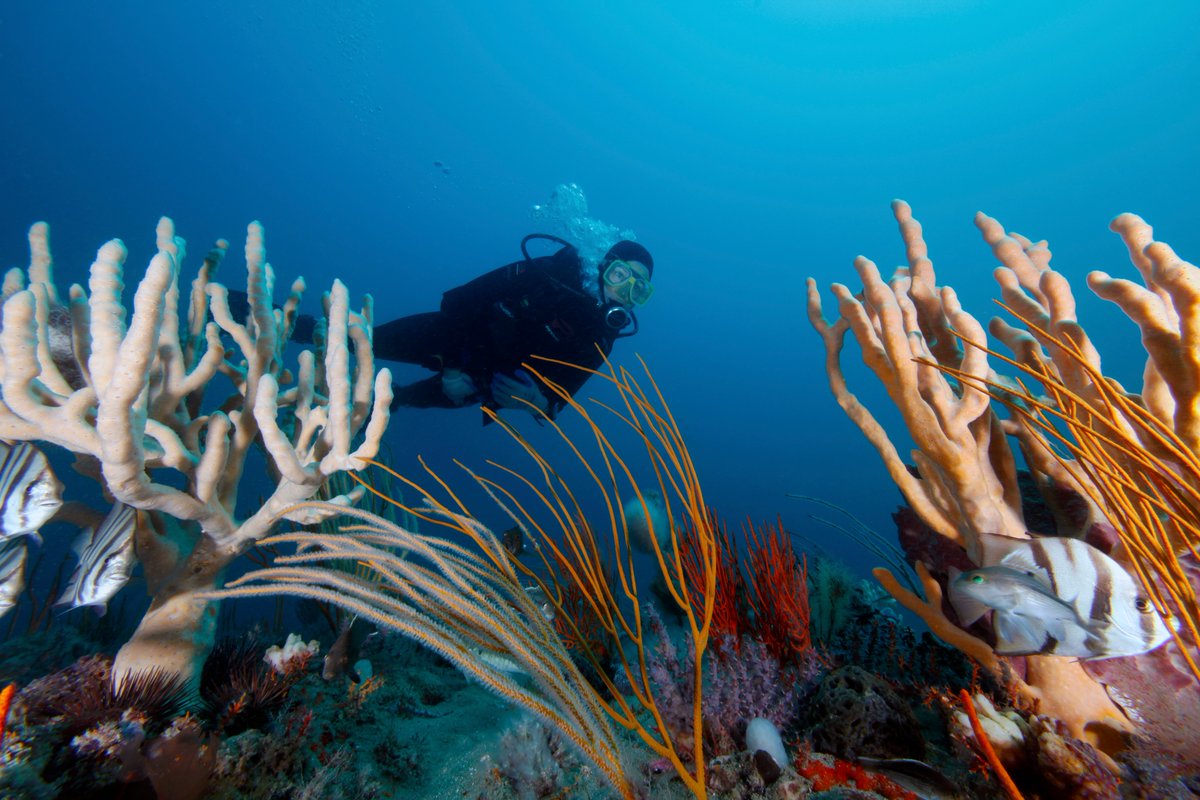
(68, 595)
(1041, 618)
(996, 548)
(969, 609)
(69, 602)
(1101, 655)
(1023, 561)
(1016, 636)
(81, 542)
(1053, 611)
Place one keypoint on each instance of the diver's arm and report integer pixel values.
(476, 297)
(570, 378)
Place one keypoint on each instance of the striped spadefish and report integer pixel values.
(29, 492)
(106, 559)
(1108, 614)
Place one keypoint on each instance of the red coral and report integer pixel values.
(778, 594)
(825, 776)
(578, 626)
(729, 620)
(768, 601)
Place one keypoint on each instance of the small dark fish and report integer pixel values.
(915, 776)
(445, 170)
(438, 164)
(29, 493)
(106, 559)
(513, 540)
(343, 653)
(59, 336)
(12, 572)
(62, 347)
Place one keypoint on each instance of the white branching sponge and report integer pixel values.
(128, 396)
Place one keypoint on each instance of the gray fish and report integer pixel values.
(29, 493)
(1028, 618)
(916, 776)
(1058, 596)
(502, 662)
(106, 558)
(12, 572)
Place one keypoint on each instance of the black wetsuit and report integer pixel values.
(497, 322)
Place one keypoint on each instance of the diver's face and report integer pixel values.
(627, 283)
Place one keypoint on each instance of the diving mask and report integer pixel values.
(627, 283)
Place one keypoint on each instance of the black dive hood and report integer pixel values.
(616, 316)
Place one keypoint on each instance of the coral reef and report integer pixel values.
(128, 399)
(854, 713)
(932, 357)
(302, 737)
(534, 762)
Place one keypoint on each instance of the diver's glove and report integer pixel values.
(508, 391)
(458, 386)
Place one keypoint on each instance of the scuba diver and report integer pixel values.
(549, 306)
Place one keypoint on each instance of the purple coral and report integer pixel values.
(535, 762)
(743, 684)
(749, 683)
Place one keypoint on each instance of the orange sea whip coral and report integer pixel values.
(989, 752)
(910, 331)
(6, 698)
(1129, 463)
(465, 602)
(729, 620)
(574, 549)
(469, 602)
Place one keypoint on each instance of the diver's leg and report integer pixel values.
(425, 393)
(415, 339)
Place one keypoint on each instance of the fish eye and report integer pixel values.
(1142, 604)
(977, 579)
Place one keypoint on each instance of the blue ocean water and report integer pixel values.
(748, 144)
